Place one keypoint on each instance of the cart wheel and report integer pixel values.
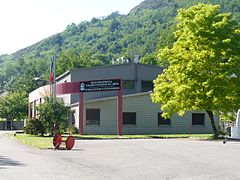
(224, 141)
(57, 140)
(70, 142)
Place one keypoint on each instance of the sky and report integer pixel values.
(26, 22)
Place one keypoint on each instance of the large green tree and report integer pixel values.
(204, 64)
(13, 106)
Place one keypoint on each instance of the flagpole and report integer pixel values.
(53, 85)
(54, 76)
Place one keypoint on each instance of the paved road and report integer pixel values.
(160, 159)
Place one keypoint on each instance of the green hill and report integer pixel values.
(145, 29)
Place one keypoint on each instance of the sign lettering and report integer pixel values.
(100, 85)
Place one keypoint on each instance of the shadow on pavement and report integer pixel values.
(64, 149)
(7, 162)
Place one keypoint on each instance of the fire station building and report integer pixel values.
(139, 114)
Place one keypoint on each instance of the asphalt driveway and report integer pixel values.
(122, 159)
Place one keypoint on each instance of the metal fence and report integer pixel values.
(11, 125)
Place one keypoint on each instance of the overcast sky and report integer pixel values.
(25, 22)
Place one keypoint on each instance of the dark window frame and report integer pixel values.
(147, 85)
(162, 121)
(93, 119)
(195, 119)
(128, 84)
(133, 115)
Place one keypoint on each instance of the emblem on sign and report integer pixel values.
(82, 87)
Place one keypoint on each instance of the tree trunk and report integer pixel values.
(215, 130)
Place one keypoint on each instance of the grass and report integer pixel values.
(34, 141)
(46, 141)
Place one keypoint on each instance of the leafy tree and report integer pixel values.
(23, 83)
(69, 60)
(13, 106)
(204, 65)
(66, 61)
(24, 78)
(53, 111)
(149, 59)
(114, 25)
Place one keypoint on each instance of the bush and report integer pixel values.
(34, 127)
(53, 112)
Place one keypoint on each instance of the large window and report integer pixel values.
(129, 118)
(198, 118)
(128, 84)
(92, 116)
(162, 120)
(147, 86)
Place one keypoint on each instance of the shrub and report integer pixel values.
(34, 127)
(53, 111)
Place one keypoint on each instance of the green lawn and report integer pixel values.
(46, 141)
(34, 141)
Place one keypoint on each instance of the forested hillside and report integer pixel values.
(148, 27)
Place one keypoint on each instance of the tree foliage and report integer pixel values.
(53, 112)
(34, 127)
(147, 27)
(13, 106)
(68, 60)
(204, 63)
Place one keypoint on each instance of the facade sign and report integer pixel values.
(100, 85)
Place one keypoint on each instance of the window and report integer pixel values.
(147, 86)
(72, 117)
(129, 118)
(162, 121)
(93, 116)
(128, 84)
(198, 118)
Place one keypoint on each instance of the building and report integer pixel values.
(139, 114)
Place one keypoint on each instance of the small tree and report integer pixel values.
(204, 63)
(53, 111)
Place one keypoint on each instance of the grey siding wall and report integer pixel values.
(108, 118)
(135, 72)
(146, 73)
(146, 118)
